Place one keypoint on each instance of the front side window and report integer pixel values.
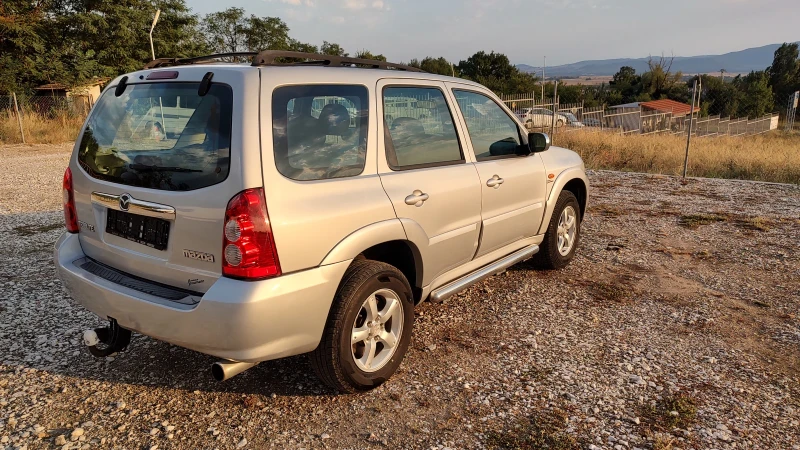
(160, 136)
(320, 131)
(419, 128)
(492, 131)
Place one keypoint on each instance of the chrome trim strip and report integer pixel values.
(481, 274)
(141, 207)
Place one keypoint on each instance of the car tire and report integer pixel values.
(341, 361)
(559, 124)
(553, 251)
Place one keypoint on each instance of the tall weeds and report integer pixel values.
(39, 129)
(773, 156)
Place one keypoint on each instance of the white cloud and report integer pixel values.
(364, 4)
(298, 2)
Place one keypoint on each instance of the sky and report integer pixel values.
(565, 31)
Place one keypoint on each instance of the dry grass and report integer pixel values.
(39, 129)
(545, 430)
(772, 157)
(671, 411)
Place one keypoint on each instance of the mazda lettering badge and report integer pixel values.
(124, 201)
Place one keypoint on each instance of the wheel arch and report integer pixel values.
(384, 241)
(573, 180)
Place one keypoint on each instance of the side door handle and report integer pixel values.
(417, 198)
(495, 182)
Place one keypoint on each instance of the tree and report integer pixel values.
(87, 39)
(365, 54)
(226, 30)
(718, 97)
(330, 48)
(784, 74)
(268, 33)
(627, 83)
(440, 66)
(659, 82)
(20, 24)
(758, 98)
(496, 72)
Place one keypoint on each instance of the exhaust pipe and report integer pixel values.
(223, 370)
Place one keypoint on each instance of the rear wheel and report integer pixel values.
(563, 233)
(368, 329)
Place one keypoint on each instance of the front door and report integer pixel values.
(433, 186)
(512, 187)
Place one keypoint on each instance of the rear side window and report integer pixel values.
(419, 129)
(320, 132)
(160, 136)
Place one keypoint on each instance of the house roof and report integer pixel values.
(64, 87)
(676, 108)
(627, 105)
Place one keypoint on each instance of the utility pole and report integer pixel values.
(543, 77)
(689, 136)
(152, 27)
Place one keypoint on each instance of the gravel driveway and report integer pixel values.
(677, 326)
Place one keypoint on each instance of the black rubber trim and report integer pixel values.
(182, 296)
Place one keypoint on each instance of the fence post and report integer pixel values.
(19, 116)
(553, 121)
(689, 136)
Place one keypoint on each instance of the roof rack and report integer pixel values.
(278, 58)
(169, 62)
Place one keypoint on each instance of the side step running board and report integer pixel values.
(483, 273)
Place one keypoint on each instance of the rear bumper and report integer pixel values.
(237, 320)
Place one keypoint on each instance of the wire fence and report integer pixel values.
(19, 112)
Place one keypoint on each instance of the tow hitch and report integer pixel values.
(108, 340)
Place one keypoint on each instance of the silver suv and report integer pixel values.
(257, 211)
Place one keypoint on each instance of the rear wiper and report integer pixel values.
(146, 168)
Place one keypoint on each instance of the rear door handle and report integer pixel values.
(417, 198)
(495, 182)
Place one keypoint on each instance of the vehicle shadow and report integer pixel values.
(148, 362)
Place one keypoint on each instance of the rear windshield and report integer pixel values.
(160, 136)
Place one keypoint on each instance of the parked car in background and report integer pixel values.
(288, 215)
(592, 122)
(540, 118)
(572, 121)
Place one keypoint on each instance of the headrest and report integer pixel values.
(334, 120)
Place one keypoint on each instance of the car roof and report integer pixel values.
(301, 73)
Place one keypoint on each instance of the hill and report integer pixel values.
(742, 61)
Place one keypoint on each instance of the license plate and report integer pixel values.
(148, 231)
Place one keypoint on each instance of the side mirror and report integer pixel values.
(538, 142)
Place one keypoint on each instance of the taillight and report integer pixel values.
(248, 245)
(70, 216)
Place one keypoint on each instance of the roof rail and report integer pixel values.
(168, 62)
(271, 57)
(278, 57)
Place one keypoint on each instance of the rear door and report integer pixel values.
(427, 174)
(155, 168)
(512, 187)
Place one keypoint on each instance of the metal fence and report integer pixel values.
(538, 116)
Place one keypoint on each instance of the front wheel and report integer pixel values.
(563, 233)
(368, 329)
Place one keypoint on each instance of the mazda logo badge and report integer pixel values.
(124, 201)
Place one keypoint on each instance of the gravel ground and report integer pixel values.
(676, 326)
